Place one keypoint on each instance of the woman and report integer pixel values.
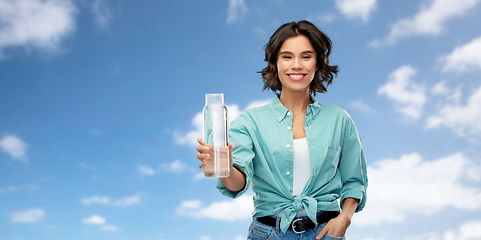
(299, 156)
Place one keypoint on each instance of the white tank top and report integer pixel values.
(301, 170)
(302, 165)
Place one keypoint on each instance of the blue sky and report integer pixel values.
(100, 106)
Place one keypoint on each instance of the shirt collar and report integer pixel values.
(281, 112)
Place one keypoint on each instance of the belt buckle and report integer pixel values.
(294, 226)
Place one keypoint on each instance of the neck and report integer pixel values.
(296, 102)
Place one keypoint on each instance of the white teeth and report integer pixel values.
(296, 76)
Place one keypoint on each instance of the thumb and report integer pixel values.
(231, 146)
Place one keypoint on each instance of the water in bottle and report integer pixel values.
(215, 136)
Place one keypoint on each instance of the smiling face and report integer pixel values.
(296, 64)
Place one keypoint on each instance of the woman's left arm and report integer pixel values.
(337, 227)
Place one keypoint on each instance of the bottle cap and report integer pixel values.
(214, 99)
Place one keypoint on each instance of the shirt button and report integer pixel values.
(280, 118)
(288, 146)
(288, 114)
(288, 128)
(288, 173)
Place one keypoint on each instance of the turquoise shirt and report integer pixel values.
(263, 152)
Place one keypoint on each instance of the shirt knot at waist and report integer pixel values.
(298, 203)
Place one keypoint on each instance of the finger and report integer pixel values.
(321, 233)
(202, 156)
(231, 146)
(201, 141)
(202, 149)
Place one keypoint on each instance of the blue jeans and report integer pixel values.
(260, 231)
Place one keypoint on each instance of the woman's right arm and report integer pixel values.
(236, 180)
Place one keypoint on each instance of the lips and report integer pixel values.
(296, 76)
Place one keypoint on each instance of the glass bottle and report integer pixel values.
(215, 136)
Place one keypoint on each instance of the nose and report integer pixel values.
(296, 64)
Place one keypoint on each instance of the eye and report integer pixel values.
(287, 57)
(306, 57)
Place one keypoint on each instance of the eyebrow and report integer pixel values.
(287, 52)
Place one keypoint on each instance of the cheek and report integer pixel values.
(314, 67)
(280, 66)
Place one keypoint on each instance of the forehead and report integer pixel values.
(297, 44)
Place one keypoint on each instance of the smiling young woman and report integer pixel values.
(299, 156)
(296, 65)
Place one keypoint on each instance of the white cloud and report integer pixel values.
(356, 8)
(175, 166)
(98, 220)
(8, 189)
(467, 231)
(237, 10)
(236, 209)
(110, 228)
(463, 58)
(411, 185)
(205, 238)
(253, 104)
(199, 175)
(26, 187)
(440, 88)
(464, 120)
(127, 201)
(14, 146)
(446, 94)
(41, 24)
(28, 216)
(95, 200)
(428, 21)
(94, 219)
(322, 18)
(145, 170)
(123, 202)
(408, 97)
(261, 31)
(360, 105)
(102, 14)
(191, 137)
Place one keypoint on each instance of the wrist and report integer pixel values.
(346, 216)
(344, 219)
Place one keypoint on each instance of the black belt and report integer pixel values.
(301, 225)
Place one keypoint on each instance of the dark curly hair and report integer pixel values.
(320, 42)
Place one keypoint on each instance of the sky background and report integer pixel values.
(100, 104)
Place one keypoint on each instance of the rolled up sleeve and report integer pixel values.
(352, 167)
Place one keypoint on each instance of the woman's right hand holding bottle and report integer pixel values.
(236, 180)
